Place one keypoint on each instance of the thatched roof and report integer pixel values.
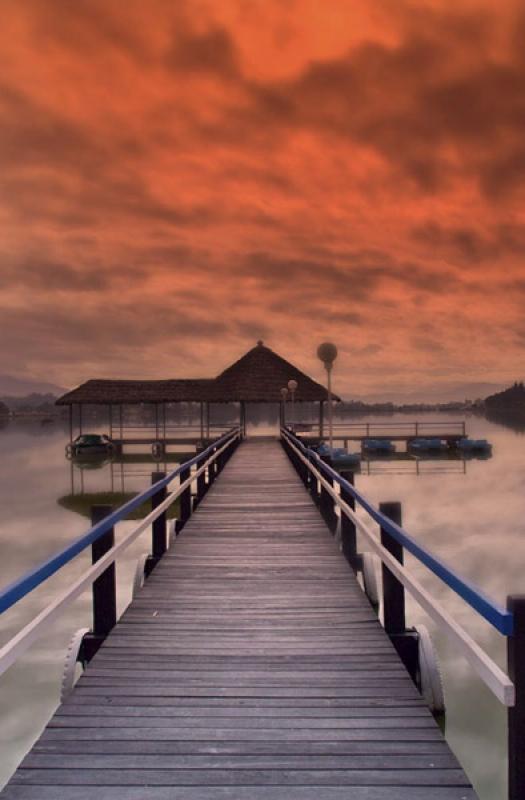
(104, 392)
(257, 377)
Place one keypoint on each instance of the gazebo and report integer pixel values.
(257, 377)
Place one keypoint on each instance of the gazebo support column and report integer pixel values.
(110, 420)
(202, 419)
(321, 419)
(71, 424)
(242, 416)
(80, 418)
(207, 420)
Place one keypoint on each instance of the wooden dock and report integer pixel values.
(251, 666)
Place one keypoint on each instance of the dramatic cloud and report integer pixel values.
(180, 179)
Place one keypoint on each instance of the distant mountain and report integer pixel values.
(438, 393)
(20, 387)
(512, 398)
(30, 402)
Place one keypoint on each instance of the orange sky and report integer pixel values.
(183, 177)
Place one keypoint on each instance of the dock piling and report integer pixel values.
(201, 481)
(326, 501)
(393, 589)
(185, 501)
(348, 530)
(516, 713)
(158, 528)
(394, 618)
(104, 587)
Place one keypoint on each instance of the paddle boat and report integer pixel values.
(378, 446)
(90, 444)
(427, 446)
(340, 458)
(474, 446)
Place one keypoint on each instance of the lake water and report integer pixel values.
(471, 515)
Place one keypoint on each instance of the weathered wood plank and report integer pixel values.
(267, 724)
(258, 713)
(431, 733)
(40, 760)
(174, 792)
(243, 777)
(241, 748)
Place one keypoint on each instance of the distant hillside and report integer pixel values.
(512, 398)
(433, 393)
(30, 402)
(21, 387)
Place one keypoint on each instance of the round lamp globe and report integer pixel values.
(327, 352)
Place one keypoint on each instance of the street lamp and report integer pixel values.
(292, 386)
(327, 352)
(284, 395)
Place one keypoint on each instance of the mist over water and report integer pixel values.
(469, 514)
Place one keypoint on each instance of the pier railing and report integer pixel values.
(171, 428)
(401, 431)
(424, 427)
(333, 490)
(199, 472)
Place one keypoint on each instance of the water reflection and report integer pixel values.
(470, 516)
(515, 420)
(102, 480)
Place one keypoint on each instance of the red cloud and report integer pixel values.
(212, 177)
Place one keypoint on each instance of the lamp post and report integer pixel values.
(292, 386)
(284, 395)
(327, 352)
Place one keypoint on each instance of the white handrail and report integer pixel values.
(492, 675)
(16, 646)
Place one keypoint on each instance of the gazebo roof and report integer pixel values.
(257, 377)
(104, 392)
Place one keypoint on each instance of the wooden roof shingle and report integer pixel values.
(105, 392)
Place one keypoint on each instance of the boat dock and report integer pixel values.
(449, 432)
(251, 665)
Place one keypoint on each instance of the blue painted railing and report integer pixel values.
(496, 615)
(22, 586)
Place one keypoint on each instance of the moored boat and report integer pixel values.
(383, 446)
(90, 444)
(474, 446)
(338, 456)
(426, 445)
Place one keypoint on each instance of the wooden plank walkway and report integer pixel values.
(250, 667)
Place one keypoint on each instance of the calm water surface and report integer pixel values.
(473, 519)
